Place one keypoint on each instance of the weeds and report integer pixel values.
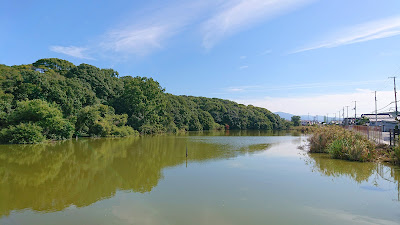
(340, 143)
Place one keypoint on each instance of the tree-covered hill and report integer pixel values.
(53, 99)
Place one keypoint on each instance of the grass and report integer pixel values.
(340, 143)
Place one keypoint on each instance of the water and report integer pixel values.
(228, 178)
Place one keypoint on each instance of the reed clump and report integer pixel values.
(305, 129)
(340, 143)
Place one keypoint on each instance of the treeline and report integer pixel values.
(52, 99)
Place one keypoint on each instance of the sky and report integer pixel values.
(294, 56)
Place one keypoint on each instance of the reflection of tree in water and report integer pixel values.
(357, 171)
(50, 177)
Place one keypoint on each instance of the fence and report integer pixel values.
(371, 132)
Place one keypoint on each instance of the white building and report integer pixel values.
(385, 120)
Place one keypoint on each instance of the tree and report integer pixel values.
(296, 121)
(143, 100)
(100, 120)
(47, 116)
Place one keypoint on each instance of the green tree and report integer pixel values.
(100, 120)
(42, 114)
(143, 100)
(23, 133)
(296, 120)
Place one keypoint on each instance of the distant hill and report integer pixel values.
(288, 116)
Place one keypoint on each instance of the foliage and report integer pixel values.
(23, 133)
(143, 101)
(396, 154)
(54, 64)
(296, 120)
(63, 99)
(100, 120)
(103, 82)
(45, 115)
(340, 143)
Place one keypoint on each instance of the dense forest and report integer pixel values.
(52, 99)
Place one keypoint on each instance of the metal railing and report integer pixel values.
(373, 133)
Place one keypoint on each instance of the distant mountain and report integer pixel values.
(288, 116)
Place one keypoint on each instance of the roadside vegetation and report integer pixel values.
(52, 99)
(340, 143)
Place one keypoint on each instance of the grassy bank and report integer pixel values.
(340, 143)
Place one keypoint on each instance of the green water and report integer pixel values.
(228, 178)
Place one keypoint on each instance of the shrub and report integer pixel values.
(351, 148)
(397, 154)
(24, 133)
(123, 131)
(341, 144)
(57, 128)
(152, 129)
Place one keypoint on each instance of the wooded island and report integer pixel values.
(52, 99)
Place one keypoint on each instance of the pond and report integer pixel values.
(234, 177)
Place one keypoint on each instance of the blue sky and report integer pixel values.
(296, 56)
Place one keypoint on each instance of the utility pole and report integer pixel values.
(355, 112)
(343, 115)
(395, 93)
(327, 118)
(376, 112)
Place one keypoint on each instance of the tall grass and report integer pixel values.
(340, 143)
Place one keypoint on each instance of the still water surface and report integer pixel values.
(228, 178)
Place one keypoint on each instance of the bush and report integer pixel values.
(57, 128)
(351, 148)
(101, 121)
(22, 134)
(123, 131)
(397, 154)
(152, 129)
(341, 144)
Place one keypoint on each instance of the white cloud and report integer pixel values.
(151, 32)
(243, 67)
(243, 57)
(237, 15)
(378, 29)
(74, 51)
(269, 89)
(139, 41)
(241, 88)
(323, 104)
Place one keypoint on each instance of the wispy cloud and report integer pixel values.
(241, 88)
(243, 67)
(243, 57)
(74, 51)
(266, 52)
(150, 32)
(137, 40)
(378, 29)
(143, 34)
(238, 15)
(267, 88)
